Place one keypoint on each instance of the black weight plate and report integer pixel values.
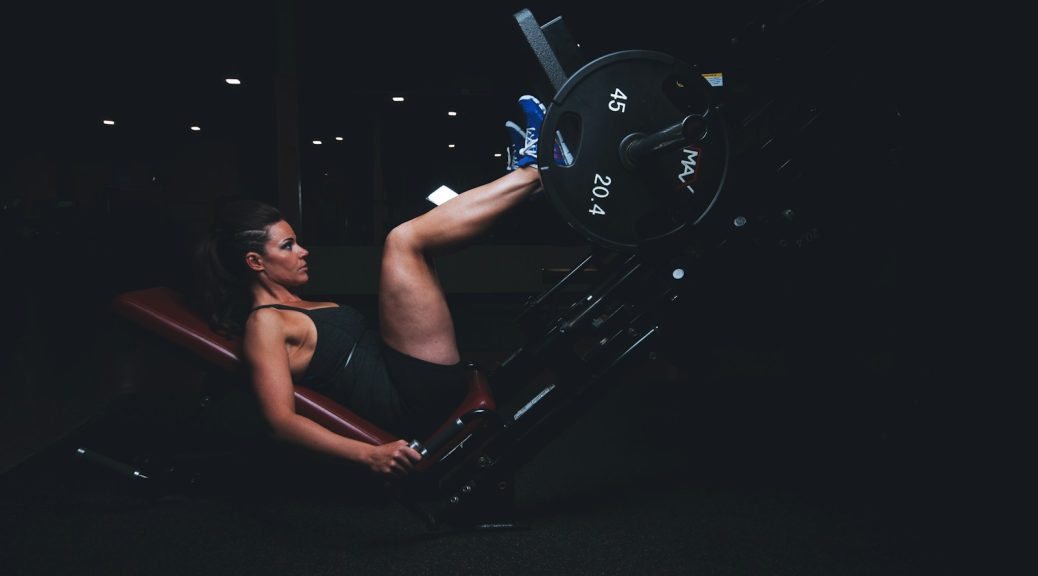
(620, 206)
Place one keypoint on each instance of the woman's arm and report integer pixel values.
(264, 348)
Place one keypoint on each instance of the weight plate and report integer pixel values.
(608, 200)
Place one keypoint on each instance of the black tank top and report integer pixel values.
(347, 365)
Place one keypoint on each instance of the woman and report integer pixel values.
(408, 377)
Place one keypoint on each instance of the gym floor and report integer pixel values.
(651, 495)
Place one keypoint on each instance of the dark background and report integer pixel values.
(816, 361)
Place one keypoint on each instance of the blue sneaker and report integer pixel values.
(534, 111)
(512, 153)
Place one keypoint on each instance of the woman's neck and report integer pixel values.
(264, 293)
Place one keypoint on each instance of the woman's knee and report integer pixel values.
(404, 255)
(403, 239)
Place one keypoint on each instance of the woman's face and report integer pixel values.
(285, 260)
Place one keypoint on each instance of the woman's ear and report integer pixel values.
(254, 261)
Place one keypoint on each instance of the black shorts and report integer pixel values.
(428, 392)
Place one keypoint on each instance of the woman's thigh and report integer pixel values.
(413, 314)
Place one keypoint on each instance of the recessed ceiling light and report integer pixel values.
(452, 113)
(317, 142)
(441, 195)
(398, 98)
(195, 128)
(232, 81)
(450, 145)
(339, 138)
(497, 155)
(108, 122)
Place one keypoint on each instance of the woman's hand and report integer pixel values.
(393, 459)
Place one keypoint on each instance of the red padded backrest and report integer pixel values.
(165, 312)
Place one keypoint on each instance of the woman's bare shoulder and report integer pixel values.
(262, 324)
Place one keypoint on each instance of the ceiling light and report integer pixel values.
(339, 138)
(398, 98)
(497, 155)
(441, 195)
(108, 122)
(450, 145)
(195, 128)
(232, 81)
(452, 113)
(317, 142)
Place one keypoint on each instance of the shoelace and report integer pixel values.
(531, 143)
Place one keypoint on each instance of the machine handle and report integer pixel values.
(444, 435)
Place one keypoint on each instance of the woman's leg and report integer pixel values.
(413, 313)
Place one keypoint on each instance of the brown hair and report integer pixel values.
(239, 226)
